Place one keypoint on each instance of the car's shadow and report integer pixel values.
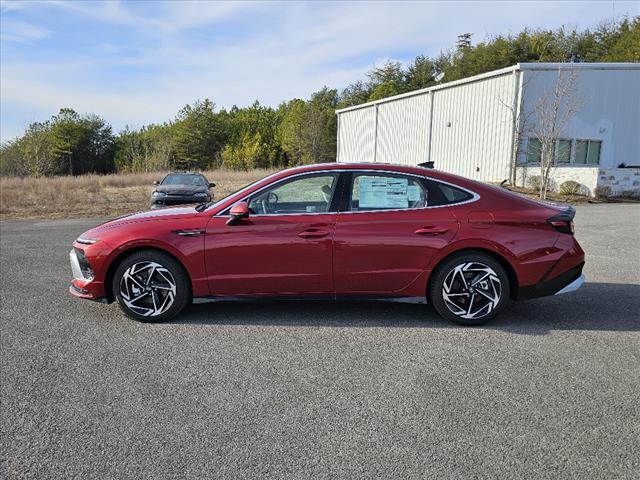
(596, 306)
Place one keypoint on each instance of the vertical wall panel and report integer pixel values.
(403, 130)
(356, 135)
(472, 128)
(472, 124)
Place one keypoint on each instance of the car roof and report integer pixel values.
(358, 166)
(479, 188)
(392, 167)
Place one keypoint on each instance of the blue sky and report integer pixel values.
(139, 62)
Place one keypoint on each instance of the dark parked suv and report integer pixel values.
(181, 188)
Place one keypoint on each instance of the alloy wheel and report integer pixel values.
(148, 289)
(471, 290)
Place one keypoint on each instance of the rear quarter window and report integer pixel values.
(445, 194)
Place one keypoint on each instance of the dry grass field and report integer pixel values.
(118, 194)
(97, 195)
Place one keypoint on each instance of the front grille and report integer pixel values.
(176, 201)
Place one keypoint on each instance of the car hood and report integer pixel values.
(165, 214)
(181, 189)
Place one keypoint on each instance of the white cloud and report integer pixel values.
(17, 31)
(270, 52)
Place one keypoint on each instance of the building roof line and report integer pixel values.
(497, 73)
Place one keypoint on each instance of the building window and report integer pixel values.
(533, 150)
(568, 152)
(588, 152)
(563, 151)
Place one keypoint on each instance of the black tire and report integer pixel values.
(476, 303)
(154, 281)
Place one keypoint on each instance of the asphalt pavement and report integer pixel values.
(551, 389)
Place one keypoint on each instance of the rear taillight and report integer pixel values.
(563, 222)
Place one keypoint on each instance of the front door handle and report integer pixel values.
(431, 230)
(313, 233)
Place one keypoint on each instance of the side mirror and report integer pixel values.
(211, 185)
(238, 212)
(156, 182)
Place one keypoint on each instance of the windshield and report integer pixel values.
(184, 179)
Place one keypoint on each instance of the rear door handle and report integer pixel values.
(431, 231)
(313, 233)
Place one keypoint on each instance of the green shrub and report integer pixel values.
(570, 188)
(534, 182)
(603, 192)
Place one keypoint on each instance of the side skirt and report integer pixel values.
(329, 298)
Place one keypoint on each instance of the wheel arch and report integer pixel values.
(502, 260)
(124, 254)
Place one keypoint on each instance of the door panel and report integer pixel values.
(385, 241)
(270, 254)
(384, 252)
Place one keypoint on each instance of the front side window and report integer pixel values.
(370, 191)
(309, 194)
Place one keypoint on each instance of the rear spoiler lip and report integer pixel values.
(565, 214)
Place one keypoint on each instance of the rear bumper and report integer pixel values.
(573, 286)
(566, 282)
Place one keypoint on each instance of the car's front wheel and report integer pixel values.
(151, 286)
(469, 288)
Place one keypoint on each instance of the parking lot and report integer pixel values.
(551, 389)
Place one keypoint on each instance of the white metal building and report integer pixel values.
(470, 127)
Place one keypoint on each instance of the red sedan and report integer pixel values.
(337, 230)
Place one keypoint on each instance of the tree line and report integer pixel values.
(297, 131)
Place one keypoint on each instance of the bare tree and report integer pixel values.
(552, 113)
(520, 122)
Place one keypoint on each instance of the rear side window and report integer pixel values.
(445, 194)
(370, 192)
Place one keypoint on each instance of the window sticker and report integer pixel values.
(383, 192)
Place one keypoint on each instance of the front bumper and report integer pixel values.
(84, 285)
(170, 200)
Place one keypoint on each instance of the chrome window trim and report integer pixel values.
(475, 196)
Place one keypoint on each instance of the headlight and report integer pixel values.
(200, 194)
(159, 194)
(86, 241)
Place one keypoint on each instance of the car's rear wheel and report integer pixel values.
(151, 286)
(469, 288)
